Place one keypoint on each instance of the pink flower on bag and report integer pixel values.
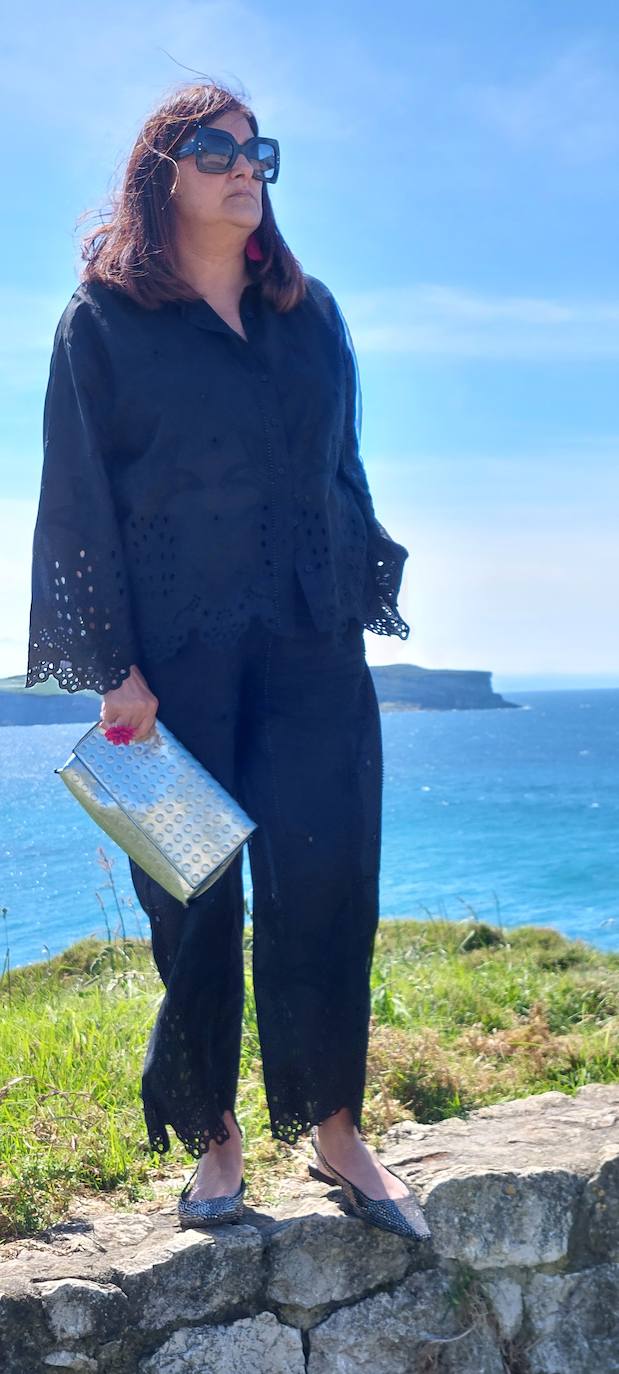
(119, 734)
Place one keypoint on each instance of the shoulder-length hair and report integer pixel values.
(134, 249)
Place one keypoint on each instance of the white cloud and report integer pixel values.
(421, 319)
(569, 109)
(424, 318)
(438, 320)
(495, 595)
(144, 51)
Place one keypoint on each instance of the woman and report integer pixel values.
(206, 551)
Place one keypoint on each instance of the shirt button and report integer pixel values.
(264, 377)
(282, 470)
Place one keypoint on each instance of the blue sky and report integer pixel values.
(450, 171)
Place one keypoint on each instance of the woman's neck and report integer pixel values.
(217, 274)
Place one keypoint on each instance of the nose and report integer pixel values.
(244, 164)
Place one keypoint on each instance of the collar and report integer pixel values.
(200, 313)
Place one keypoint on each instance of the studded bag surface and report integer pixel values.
(159, 804)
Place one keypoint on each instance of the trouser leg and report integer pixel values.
(191, 1067)
(312, 780)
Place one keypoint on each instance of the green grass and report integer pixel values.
(463, 1014)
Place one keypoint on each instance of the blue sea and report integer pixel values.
(508, 816)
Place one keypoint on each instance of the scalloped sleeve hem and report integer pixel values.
(386, 560)
(385, 557)
(81, 631)
(48, 659)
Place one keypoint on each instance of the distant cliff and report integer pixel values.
(399, 686)
(406, 686)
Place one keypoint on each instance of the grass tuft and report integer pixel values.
(463, 1014)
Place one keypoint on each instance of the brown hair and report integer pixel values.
(134, 249)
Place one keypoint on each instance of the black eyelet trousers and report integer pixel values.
(290, 725)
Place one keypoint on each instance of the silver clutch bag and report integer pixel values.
(159, 804)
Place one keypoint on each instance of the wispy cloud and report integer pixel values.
(423, 320)
(570, 108)
(434, 320)
(97, 84)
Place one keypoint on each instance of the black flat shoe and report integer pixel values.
(402, 1215)
(208, 1211)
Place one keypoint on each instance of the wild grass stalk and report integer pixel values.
(463, 1013)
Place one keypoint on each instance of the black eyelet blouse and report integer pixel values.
(190, 477)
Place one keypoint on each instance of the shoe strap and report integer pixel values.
(189, 1181)
(323, 1157)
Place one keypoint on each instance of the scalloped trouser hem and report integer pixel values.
(290, 725)
(196, 1144)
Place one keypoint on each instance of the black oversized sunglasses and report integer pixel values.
(217, 151)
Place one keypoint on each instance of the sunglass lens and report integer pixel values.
(264, 159)
(215, 151)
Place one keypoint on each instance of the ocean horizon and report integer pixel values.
(506, 816)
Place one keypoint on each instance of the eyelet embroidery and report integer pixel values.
(80, 649)
(82, 630)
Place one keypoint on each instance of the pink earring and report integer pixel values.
(253, 249)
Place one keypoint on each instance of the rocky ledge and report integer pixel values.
(521, 1275)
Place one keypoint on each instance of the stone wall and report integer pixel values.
(521, 1276)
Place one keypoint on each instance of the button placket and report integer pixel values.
(270, 424)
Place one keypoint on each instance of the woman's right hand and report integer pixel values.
(131, 704)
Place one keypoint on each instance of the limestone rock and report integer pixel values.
(399, 1332)
(76, 1308)
(318, 1261)
(522, 1270)
(506, 1186)
(70, 1359)
(572, 1322)
(260, 1344)
(504, 1296)
(600, 1210)
(195, 1276)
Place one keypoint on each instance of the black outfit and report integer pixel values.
(188, 473)
(291, 726)
(204, 513)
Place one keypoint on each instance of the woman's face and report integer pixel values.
(232, 198)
